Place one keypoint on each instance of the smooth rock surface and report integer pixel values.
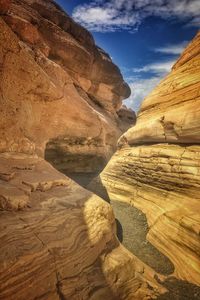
(59, 93)
(60, 242)
(58, 86)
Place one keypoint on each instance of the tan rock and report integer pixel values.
(52, 70)
(157, 167)
(63, 244)
(163, 182)
(171, 112)
(4, 6)
(127, 118)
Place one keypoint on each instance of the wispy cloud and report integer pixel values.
(158, 68)
(114, 15)
(172, 49)
(141, 87)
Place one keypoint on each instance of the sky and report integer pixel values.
(143, 37)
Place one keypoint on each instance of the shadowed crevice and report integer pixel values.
(135, 229)
(179, 290)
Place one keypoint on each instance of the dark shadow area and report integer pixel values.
(82, 179)
(96, 186)
(119, 230)
(179, 290)
(65, 156)
(135, 229)
(132, 229)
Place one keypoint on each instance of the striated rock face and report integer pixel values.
(61, 91)
(157, 168)
(171, 113)
(59, 95)
(58, 240)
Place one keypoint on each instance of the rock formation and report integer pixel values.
(157, 168)
(127, 118)
(58, 92)
(60, 98)
(62, 92)
(58, 240)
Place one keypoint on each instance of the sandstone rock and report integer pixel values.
(51, 69)
(63, 244)
(59, 94)
(4, 6)
(171, 112)
(127, 118)
(157, 167)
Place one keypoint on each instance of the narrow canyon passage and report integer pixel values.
(132, 229)
(96, 203)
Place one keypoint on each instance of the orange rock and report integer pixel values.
(54, 71)
(25, 30)
(157, 168)
(4, 6)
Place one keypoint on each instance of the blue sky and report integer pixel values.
(143, 37)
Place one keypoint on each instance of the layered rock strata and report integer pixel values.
(157, 167)
(59, 91)
(58, 240)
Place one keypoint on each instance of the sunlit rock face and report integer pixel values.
(58, 240)
(171, 113)
(58, 92)
(157, 166)
(60, 89)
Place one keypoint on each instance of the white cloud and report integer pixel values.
(113, 15)
(159, 68)
(172, 49)
(141, 87)
(105, 17)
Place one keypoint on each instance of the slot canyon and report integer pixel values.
(96, 202)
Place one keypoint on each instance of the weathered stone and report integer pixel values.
(171, 112)
(127, 118)
(4, 6)
(157, 167)
(61, 244)
(51, 69)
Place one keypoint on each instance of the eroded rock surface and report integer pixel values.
(59, 93)
(60, 89)
(157, 170)
(58, 240)
(171, 113)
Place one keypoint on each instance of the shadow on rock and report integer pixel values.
(119, 231)
(135, 229)
(179, 290)
(96, 186)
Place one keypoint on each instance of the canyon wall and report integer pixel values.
(57, 240)
(157, 167)
(60, 93)
(60, 99)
